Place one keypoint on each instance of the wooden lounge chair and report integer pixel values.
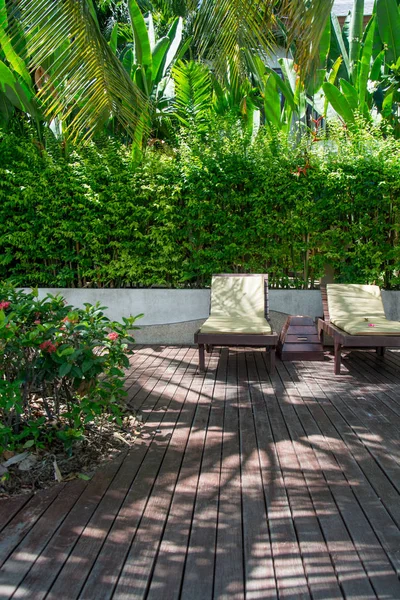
(239, 316)
(355, 318)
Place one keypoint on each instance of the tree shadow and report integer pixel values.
(241, 485)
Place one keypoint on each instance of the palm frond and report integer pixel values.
(82, 81)
(193, 92)
(225, 27)
(305, 22)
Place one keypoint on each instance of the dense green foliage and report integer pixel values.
(61, 369)
(214, 204)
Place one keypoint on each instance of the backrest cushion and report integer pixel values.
(237, 296)
(355, 301)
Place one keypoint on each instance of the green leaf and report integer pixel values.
(16, 62)
(113, 43)
(142, 43)
(332, 78)
(336, 30)
(175, 36)
(324, 44)
(6, 76)
(387, 105)
(64, 369)
(29, 444)
(387, 14)
(272, 102)
(159, 55)
(84, 477)
(365, 64)
(350, 93)
(356, 30)
(338, 102)
(128, 61)
(376, 69)
(287, 65)
(283, 87)
(87, 364)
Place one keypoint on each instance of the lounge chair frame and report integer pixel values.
(343, 340)
(206, 341)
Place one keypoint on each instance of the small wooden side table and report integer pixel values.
(299, 340)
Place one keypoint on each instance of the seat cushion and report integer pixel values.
(358, 310)
(237, 296)
(369, 326)
(240, 325)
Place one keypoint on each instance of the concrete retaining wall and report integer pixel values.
(172, 316)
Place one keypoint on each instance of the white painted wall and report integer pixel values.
(165, 306)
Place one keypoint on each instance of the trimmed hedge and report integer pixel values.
(216, 203)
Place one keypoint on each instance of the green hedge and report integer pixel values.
(216, 203)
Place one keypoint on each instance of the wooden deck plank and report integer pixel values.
(241, 485)
(350, 572)
(47, 566)
(295, 460)
(198, 576)
(21, 560)
(25, 519)
(168, 571)
(98, 536)
(151, 383)
(368, 482)
(259, 570)
(288, 564)
(8, 509)
(135, 576)
(229, 576)
(346, 490)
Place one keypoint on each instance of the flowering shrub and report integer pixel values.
(60, 368)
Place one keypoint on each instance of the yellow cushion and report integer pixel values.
(358, 310)
(237, 296)
(222, 324)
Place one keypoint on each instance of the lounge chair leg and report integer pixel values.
(338, 357)
(270, 359)
(202, 364)
(381, 351)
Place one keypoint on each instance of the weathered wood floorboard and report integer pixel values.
(241, 485)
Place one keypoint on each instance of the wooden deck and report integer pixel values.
(240, 486)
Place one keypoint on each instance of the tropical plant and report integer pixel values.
(63, 363)
(147, 62)
(80, 82)
(78, 79)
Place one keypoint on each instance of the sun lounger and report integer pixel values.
(239, 316)
(354, 316)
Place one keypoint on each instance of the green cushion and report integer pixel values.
(358, 310)
(239, 325)
(237, 296)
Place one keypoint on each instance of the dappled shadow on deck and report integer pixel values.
(241, 485)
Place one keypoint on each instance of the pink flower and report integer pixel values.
(113, 336)
(371, 325)
(70, 320)
(4, 305)
(37, 322)
(48, 346)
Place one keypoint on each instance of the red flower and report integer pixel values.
(48, 346)
(37, 322)
(4, 305)
(113, 335)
